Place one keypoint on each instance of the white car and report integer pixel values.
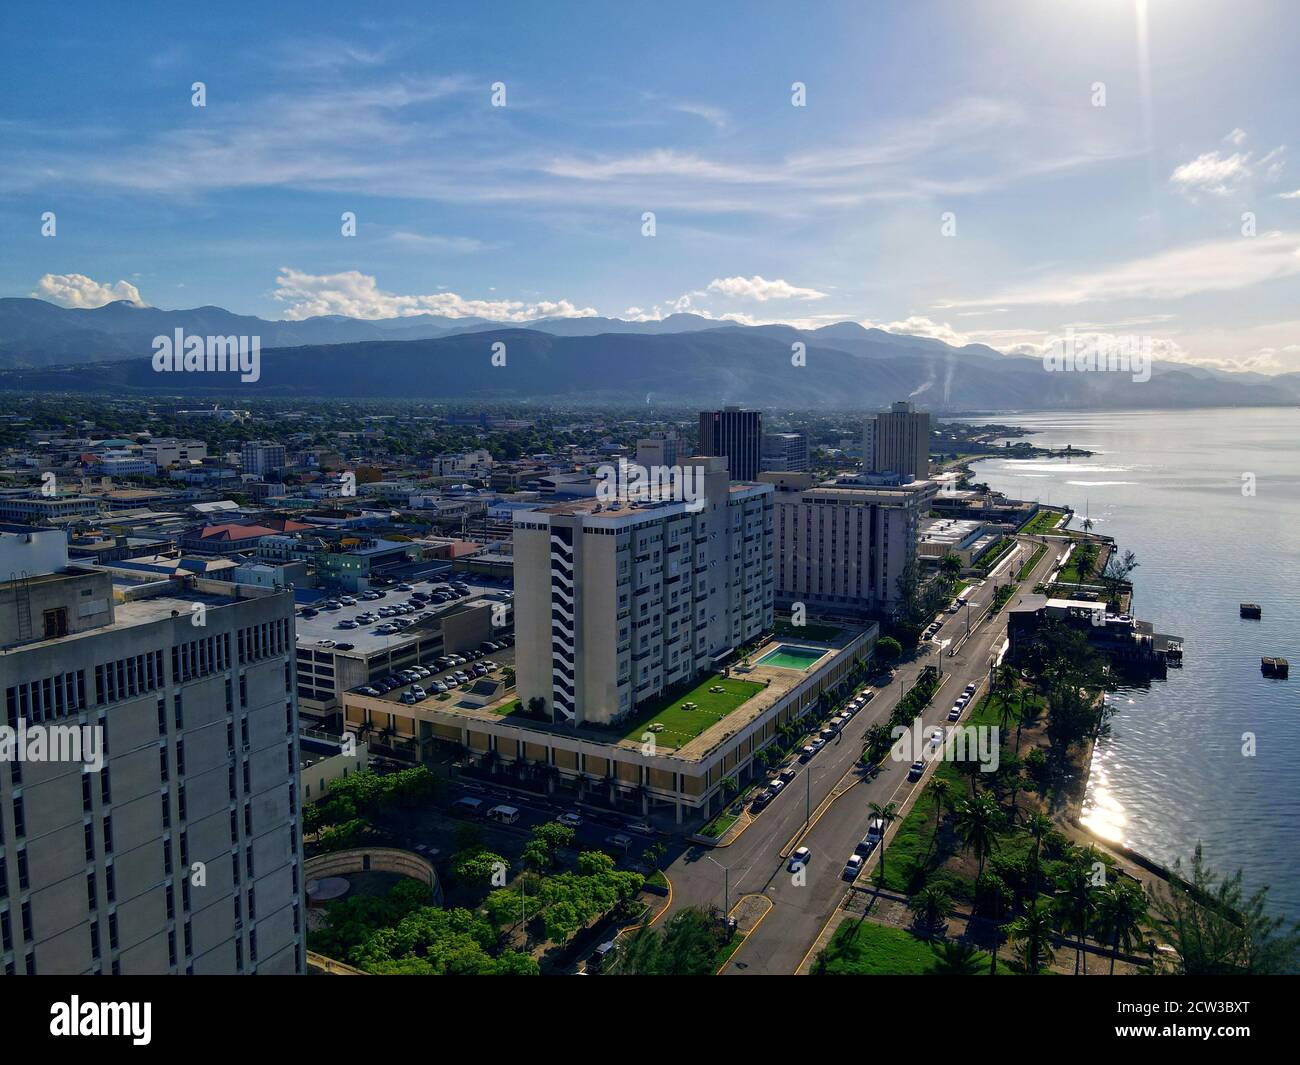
(955, 712)
(799, 860)
(853, 867)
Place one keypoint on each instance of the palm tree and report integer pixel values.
(955, 958)
(970, 768)
(932, 906)
(939, 789)
(1121, 914)
(1073, 905)
(1037, 826)
(977, 823)
(1032, 931)
(887, 814)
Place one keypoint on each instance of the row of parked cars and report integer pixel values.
(806, 753)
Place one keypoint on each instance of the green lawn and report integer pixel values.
(680, 726)
(1044, 521)
(1028, 567)
(861, 948)
(507, 708)
(914, 837)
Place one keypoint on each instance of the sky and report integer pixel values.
(980, 171)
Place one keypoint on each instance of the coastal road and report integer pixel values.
(756, 862)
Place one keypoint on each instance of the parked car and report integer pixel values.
(788, 774)
(817, 744)
(876, 830)
(570, 819)
(438, 687)
(761, 800)
(867, 844)
(367, 690)
(917, 768)
(970, 688)
(799, 860)
(806, 753)
(308, 612)
(619, 841)
(775, 786)
(954, 713)
(853, 867)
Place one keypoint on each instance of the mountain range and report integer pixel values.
(683, 359)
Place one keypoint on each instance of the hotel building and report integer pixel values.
(181, 852)
(842, 546)
(616, 602)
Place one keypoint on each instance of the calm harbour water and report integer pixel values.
(1169, 486)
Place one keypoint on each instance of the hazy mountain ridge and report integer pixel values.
(682, 359)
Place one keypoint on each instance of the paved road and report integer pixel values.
(757, 861)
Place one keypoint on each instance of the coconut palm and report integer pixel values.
(1037, 826)
(1121, 915)
(1074, 904)
(1032, 934)
(978, 821)
(939, 789)
(955, 958)
(887, 813)
(931, 907)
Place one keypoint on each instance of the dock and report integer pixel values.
(1275, 667)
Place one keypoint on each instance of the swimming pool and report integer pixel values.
(791, 656)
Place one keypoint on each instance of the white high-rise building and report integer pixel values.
(176, 848)
(841, 547)
(616, 602)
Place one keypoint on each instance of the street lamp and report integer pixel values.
(726, 887)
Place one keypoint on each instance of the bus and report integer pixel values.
(506, 815)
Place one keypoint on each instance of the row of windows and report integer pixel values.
(201, 657)
(266, 640)
(39, 700)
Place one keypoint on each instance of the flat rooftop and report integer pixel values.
(364, 639)
(776, 683)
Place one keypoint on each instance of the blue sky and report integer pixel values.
(1124, 218)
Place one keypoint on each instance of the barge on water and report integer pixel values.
(1252, 610)
(1275, 667)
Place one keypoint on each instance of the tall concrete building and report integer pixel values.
(897, 441)
(737, 434)
(657, 450)
(616, 602)
(786, 452)
(262, 458)
(841, 546)
(162, 835)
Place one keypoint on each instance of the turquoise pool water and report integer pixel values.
(790, 656)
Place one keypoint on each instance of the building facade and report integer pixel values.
(897, 441)
(736, 434)
(785, 452)
(180, 851)
(616, 603)
(841, 547)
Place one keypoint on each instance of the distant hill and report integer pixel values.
(682, 360)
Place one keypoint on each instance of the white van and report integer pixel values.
(467, 807)
(506, 815)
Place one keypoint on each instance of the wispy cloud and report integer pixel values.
(1210, 266)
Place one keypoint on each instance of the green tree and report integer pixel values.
(931, 908)
(952, 957)
(978, 821)
(1216, 928)
(886, 813)
(1121, 916)
(888, 649)
(1032, 934)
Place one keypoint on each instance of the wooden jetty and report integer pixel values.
(1275, 667)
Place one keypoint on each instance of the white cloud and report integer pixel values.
(1211, 172)
(1217, 174)
(78, 290)
(714, 116)
(759, 288)
(357, 295)
(436, 242)
(1289, 195)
